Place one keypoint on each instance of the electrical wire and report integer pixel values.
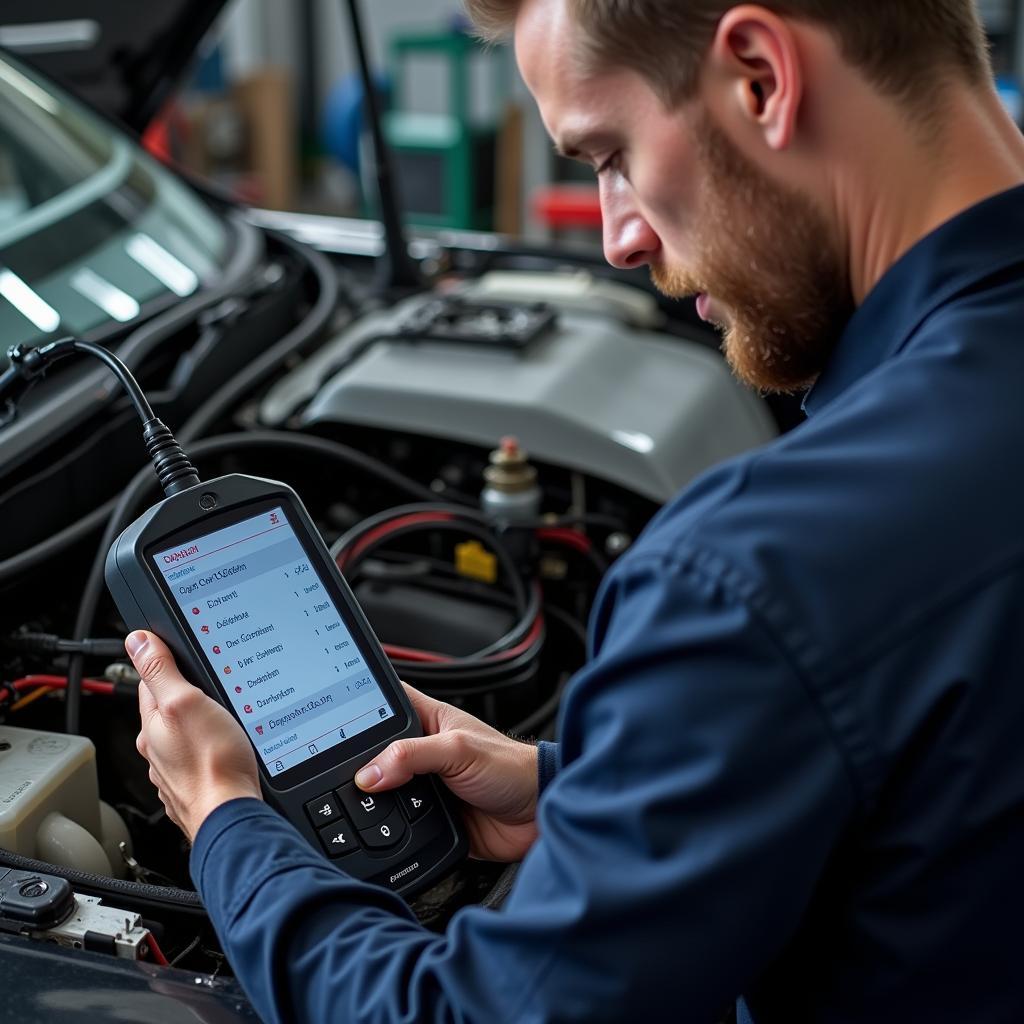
(510, 660)
(143, 339)
(60, 683)
(359, 542)
(568, 538)
(21, 563)
(156, 951)
(45, 684)
(50, 643)
(142, 483)
(305, 333)
(42, 691)
(178, 957)
(577, 542)
(363, 539)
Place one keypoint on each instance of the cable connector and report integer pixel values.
(31, 362)
(28, 365)
(173, 468)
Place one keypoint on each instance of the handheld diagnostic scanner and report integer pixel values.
(233, 575)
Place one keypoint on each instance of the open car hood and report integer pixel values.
(124, 57)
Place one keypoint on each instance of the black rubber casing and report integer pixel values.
(434, 843)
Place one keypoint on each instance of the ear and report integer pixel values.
(755, 55)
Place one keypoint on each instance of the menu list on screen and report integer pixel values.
(269, 628)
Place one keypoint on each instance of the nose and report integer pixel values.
(629, 241)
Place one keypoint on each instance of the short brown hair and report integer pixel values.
(906, 48)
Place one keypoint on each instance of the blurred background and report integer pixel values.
(274, 114)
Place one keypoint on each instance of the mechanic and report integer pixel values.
(792, 769)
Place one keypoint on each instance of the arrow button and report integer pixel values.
(338, 839)
(417, 798)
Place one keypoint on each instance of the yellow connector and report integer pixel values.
(474, 561)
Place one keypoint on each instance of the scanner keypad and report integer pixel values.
(365, 809)
(324, 810)
(338, 839)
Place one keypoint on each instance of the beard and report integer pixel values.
(767, 255)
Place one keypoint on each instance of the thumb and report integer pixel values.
(155, 664)
(423, 755)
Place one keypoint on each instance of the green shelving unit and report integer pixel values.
(445, 162)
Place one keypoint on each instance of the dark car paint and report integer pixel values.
(43, 983)
(141, 53)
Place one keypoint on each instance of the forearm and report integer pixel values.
(309, 943)
(672, 864)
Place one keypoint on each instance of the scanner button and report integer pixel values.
(365, 809)
(417, 798)
(324, 810)
(338, 839)
(384, 834)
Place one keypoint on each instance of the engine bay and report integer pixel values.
(475, 454)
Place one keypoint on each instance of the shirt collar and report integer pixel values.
(962, 252)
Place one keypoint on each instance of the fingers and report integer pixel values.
(147, 704)
(445, 754)
(425, 707)
(155, 664)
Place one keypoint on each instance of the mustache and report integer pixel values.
(674, 282)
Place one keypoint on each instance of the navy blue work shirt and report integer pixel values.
(793, 767)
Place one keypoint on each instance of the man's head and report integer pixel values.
(711, 127)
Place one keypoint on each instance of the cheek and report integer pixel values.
(666, 195)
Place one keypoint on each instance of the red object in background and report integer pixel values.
(164, 135)
(568, 206)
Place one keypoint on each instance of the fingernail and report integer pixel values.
(368, 776)
(135, 643)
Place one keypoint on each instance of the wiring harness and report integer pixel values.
(508, 661)
(511, 660)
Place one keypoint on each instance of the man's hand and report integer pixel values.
(198, 756)
(493, 775)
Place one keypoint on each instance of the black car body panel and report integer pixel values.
(123, 57)
(44, 984)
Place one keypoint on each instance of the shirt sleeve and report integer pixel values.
(547, 764)
(700, 793)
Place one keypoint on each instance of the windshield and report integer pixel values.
(91, 228)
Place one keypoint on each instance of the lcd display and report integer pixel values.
(272, 634)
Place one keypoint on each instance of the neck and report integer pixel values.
(908, 186)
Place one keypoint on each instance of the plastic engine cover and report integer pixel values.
(646, 411)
